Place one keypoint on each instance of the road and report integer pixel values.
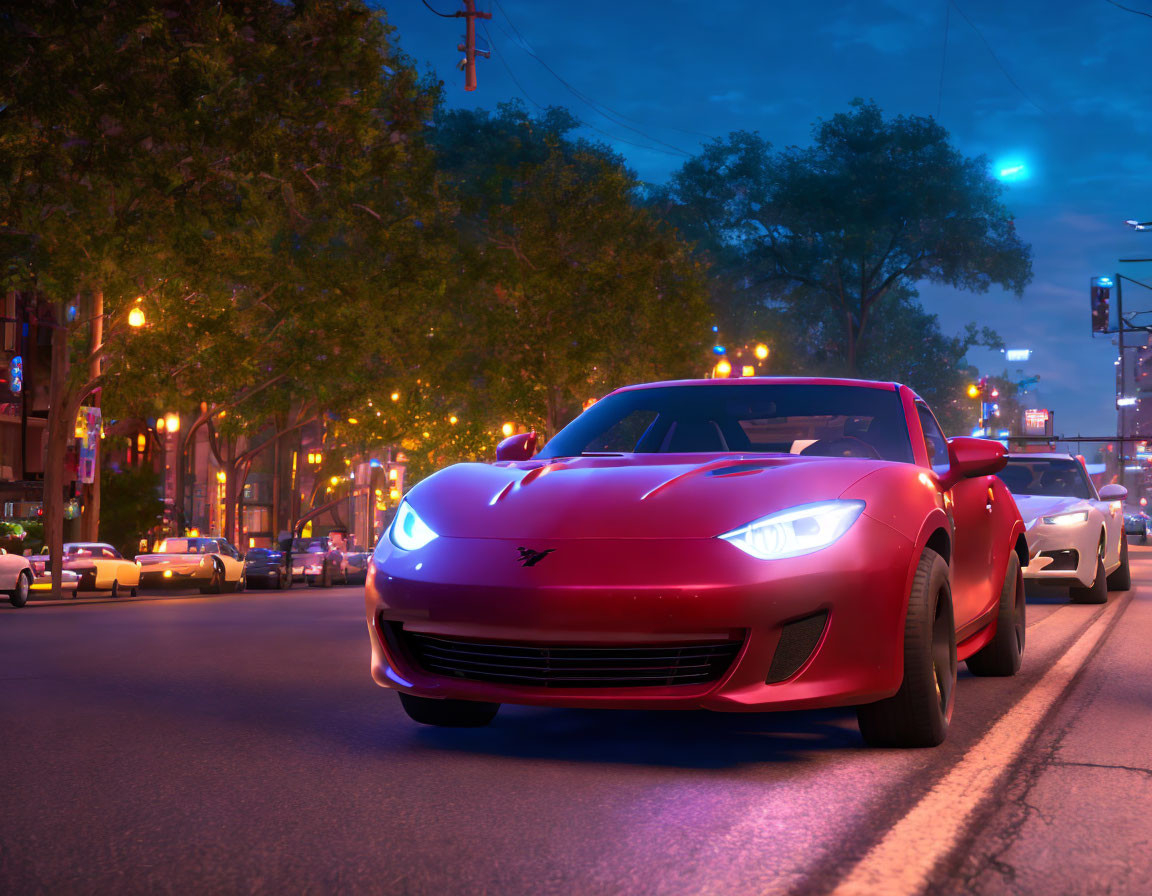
(237, 744)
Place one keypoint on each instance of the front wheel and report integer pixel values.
(18, 596)
(1097, 592)
(1002, 655)
(918, 714)
(115, 589)
(1121, 578)
(448, 713)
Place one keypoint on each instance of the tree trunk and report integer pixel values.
(230, 492)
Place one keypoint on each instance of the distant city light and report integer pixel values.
(1125, 402)
(718, 350)
(1018, 354)
(1103, 281)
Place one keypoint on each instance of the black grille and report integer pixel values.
(797, 641)
(568, 666)
(1062, 560)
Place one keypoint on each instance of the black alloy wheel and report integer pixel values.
(1097, 592)
(1003, 654)
(919, 713)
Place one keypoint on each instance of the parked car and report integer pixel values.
(100, 567)
(736, 545)
(1075, 534)
(318, 562)
(15, 578)
(1137, 522)
(210, 564)
(42, 570)
(356, 563)
(266, 568)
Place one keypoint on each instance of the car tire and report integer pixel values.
(18, 596)
(242, 584)
(1001, 656)
(115, 593)
(132, 593)
(1096, 593)
(1121, 577)
(918, 714)
(448, 713)
(216, 585)
(326, 577)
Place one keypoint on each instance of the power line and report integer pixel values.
(1138, 12)
(943, 57)
(527, 96)
(601, 108)
(577, 93)
(996, 58)
(445, 15)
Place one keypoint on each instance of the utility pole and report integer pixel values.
(471, 14)
(1120, 391)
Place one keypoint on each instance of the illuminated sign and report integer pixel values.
(1126, 402)
(1017, 354)
(1038, 422)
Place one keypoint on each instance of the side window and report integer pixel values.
(934, 439)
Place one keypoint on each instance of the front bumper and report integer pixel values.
(1062, 555)
(174, 578)
(650, 593)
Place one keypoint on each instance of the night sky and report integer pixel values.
(1059, 87)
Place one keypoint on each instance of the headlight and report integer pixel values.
(408, 532)
(1067, 519)
(796, 531)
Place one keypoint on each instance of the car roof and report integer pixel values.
(1049, 455)
(766, 381)
(87, 544)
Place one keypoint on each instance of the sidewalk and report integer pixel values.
(1078, 817)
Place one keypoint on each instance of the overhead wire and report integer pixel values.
(601, 108)
(1138, 12)
(996, 58)
(943, 57)
(443, 15)
(592, 127)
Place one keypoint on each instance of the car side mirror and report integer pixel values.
(518, 447)
(968, 458)
(1113, 493)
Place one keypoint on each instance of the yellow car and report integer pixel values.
(100, 567)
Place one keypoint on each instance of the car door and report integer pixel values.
(972, 507)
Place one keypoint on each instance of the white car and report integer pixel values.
(15, 578)
(208, 563)
(1075, 535)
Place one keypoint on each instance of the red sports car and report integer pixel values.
(736, 545)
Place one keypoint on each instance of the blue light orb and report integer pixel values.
(1011, 170)
(718, 350)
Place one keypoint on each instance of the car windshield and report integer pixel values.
(777, 418)
(1050, 477)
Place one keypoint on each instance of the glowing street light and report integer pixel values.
(172, 422)
(973, 391)
(761, 352)
(136, 317)
(507, 429)
(723, 369)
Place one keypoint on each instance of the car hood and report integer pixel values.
(628, 496)
(1032, 507)
(170, 559)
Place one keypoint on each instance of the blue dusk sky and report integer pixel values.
(1060, 88)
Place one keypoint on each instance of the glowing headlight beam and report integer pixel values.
(796, 531)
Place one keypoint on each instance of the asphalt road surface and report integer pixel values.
(236, 744)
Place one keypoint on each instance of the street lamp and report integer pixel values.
(507, 429)
(172, 422)
(761, 352)
(136, 317)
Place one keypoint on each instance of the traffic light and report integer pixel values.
(1101, 288)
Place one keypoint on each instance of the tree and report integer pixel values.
(828, 232)
(253, 172)
(570, 287)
